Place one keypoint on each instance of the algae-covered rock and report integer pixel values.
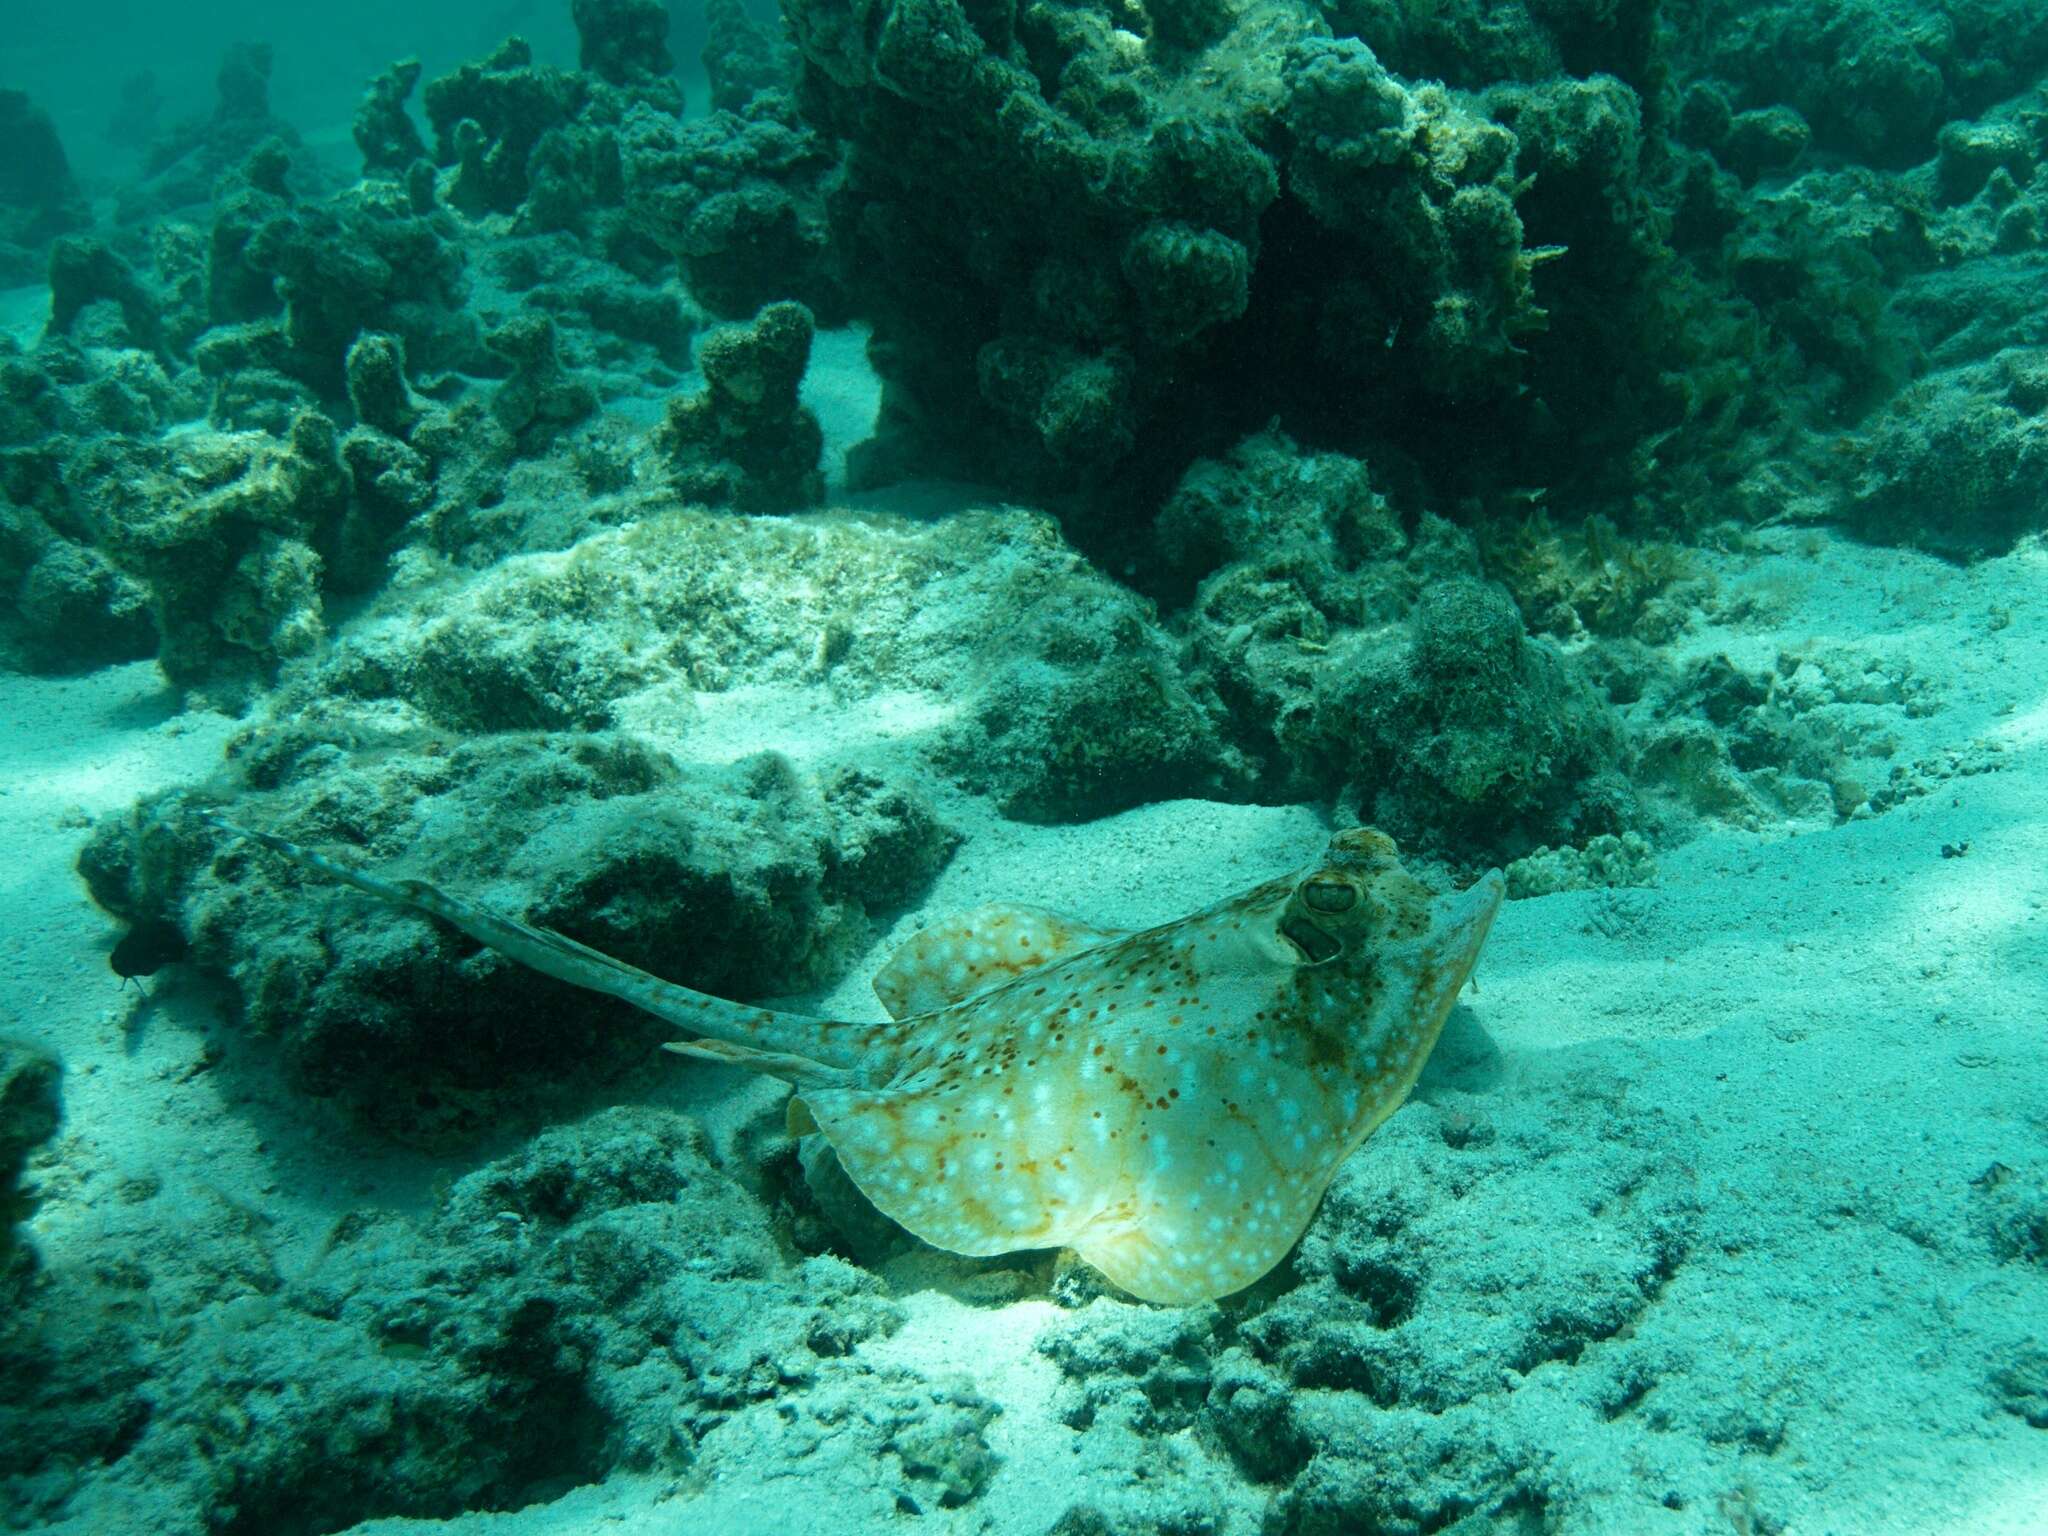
(1956, 461)
(1349, 651)
(524, 736)
(488, 116)
(604, 1299)
(745, 440)
(1809, 739)
(609, 1286)
(323, 273)
(739, 199)
(1392, 1301)
(69, 607)
(1593, 578)
(740, 881)
(1277, 554)
(61, 392)
(182, 167)
(1251, 1410)
(1876, 81)
(1452, 239)
(1082, 713)
(85, 271)
(741, 57)
(1082, 272)
(1606, 861)
(1472, 733)
(384, 131)
(939, 1440)
(541, 399)
(1769, 139)
(1066, 262)
(223, 532)
(377, 388)
(70, 1373)
(39, 197)
(1186, 279)
(1046, 686)
(635, 329)
(1319, 518)
(1600, 259)
(29, 1115)
(70, 610)
(1150, 1368)
(1475, 43)
(68, 1376)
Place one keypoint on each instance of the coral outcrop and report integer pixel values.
(623, 42)
(746, 440)
(224, 532)
(1470, 728)
(742, 57)
(1350, 651)
(739, 200)
(1956, 460)
(181, 166)
(1084, 253)
(39, 197)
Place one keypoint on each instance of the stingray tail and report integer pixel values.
(801, 1070)
(787, 1045)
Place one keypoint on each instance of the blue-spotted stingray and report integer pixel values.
(1170, 1103)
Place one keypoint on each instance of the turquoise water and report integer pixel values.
(1188, 766)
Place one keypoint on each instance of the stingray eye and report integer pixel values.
(1328, 896)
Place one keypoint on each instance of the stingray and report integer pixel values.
(1170, 1103)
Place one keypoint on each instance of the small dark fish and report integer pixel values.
(147, 948)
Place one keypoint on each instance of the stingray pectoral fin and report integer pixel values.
(557, 955)
(783, 1064)
(959, 956)
(1175, 1258)
(916, 1155)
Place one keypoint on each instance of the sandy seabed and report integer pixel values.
(1835, 1042)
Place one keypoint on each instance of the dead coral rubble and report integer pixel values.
(606, 1298)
